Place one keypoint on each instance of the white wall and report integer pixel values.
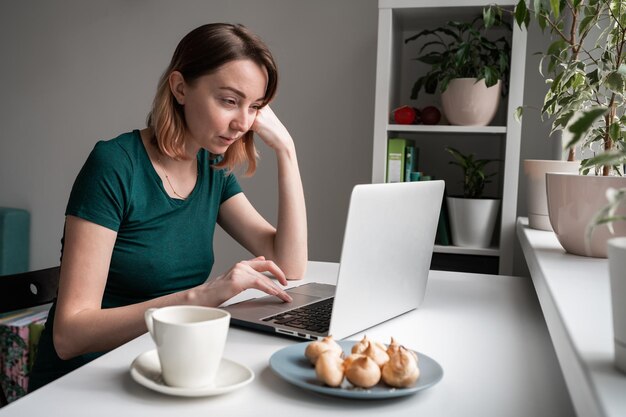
(76, 71)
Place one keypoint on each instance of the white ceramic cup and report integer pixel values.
(616, 248)
(190, 342)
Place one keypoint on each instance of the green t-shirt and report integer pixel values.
(163, 245)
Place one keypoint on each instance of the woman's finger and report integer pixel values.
(266, 285)
(271, 267)
(258, 258)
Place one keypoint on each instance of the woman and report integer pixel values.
(142, 212)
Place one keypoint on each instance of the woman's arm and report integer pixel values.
(81, 326)
(287, 243)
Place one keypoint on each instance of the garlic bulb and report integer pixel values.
(363, 372)
(376, 353)
(316, 348)
(401, 370)
(329, 368)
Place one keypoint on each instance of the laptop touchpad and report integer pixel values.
(269, 305)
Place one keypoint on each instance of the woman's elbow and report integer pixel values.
(295, 272)
(64, 345)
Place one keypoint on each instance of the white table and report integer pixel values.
(486, 331)
(574, 295)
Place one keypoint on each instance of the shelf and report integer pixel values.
(396, 72)
(411, 4)
(575, 297)
(459, 250)
(446, 129)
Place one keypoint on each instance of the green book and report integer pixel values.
(396, 159)
(35, 330)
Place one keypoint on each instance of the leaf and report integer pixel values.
(518, 113)
(614, 131)
(555, 5)
(585, 23)
(491, 77)
(615, 82)
(538, 7)
(584, 123)
(521, 13)
(563, 119)
(593, 77)
(416, 88)
(431, 82)
(431, 58)
(541, 20)
(489, 16)
(607, 158)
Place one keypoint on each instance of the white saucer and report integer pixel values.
(146, 370)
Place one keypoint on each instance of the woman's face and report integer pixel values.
(222, 106)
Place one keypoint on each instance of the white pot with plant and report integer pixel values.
(535, 171)
(587, 77)
(467, 68)
(472, 217)
(617, 273)
(616, 248)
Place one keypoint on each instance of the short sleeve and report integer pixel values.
(231, 187)
(100, 192)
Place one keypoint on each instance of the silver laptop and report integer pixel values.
(386, 254)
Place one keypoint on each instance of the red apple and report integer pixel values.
(430, 115)
(405, 115)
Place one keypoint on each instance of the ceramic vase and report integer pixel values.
(536, 200)
(573, 201)
(467, 102)
(617, 273)
(472, 221)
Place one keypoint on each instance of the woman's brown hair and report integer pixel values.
(203, 51)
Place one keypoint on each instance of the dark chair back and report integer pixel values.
(28, 289)
(24, 290)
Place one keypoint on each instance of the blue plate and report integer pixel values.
(290, 364)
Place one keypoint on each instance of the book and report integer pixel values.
(396, 159)
(19, 334)
(34, 329)
(412, 161)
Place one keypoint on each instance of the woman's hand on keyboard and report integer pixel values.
(243, 275)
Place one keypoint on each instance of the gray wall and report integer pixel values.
(75, 71)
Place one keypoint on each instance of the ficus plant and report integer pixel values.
(586, 73)
(462, 50)
(474, 177)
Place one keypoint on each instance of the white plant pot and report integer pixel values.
(536, 200)
(617, 272)
(469, 103)
(472, 221)
(573, 201)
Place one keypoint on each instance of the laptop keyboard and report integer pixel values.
(313, 317)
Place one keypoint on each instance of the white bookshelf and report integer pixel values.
(397, 20)
(460, 250)
(447, 129)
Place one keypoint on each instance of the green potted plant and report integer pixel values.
(472, 217)
(466, 67)
(586, 74)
